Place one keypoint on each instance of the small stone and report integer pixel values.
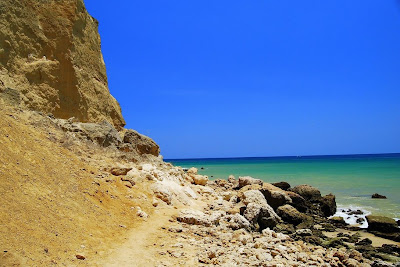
(80, 257)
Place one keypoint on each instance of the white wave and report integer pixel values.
(351, 219)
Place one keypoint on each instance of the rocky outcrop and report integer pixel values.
(258, 212)
(382, 224)
(307, 192)
(143, 144)
(102, 133)
(282, 185)
(51, 61)
(328, 205)
(247, 180)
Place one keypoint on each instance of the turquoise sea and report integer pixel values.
(352, 178)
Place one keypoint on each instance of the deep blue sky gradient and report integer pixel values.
(256, 78)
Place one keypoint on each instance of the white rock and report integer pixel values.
(195, 217)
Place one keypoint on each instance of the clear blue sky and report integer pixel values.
(208, 78)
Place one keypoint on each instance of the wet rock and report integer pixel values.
(282, 185)
(328, 205)
(382, 224)
(376, 195)
(142, 143)
(247, 180)
(308, 192)
(360, 220)
(355, 212)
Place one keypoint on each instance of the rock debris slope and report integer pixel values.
(50, 60)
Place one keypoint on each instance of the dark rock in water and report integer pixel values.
(282, 185)
(328, 205)
(355, 212)
(360, 220)
(398, 222)
(308, 192)
(202, 168)
(382, 224)
(376, 195)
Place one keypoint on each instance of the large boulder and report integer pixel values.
(163, 193)
(247, 180)
(282, 185)
(275, 196)
(258, 212)
(308, 192)
(328, 205)
(382, 224)
(291, 215)
(200, 179)
(142, 143)
(298, 201)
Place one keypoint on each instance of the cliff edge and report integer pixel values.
(51, 61)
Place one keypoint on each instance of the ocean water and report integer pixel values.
(352, 178)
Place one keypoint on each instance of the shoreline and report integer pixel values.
(129, 202)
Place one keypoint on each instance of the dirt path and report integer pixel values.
(150, 244)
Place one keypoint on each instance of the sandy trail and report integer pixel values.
(148, 244)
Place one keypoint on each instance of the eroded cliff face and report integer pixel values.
(50, 60)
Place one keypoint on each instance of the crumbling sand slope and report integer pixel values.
(54, 204)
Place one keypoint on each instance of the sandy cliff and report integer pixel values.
(50, 60)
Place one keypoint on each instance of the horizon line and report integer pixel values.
(299, 156)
